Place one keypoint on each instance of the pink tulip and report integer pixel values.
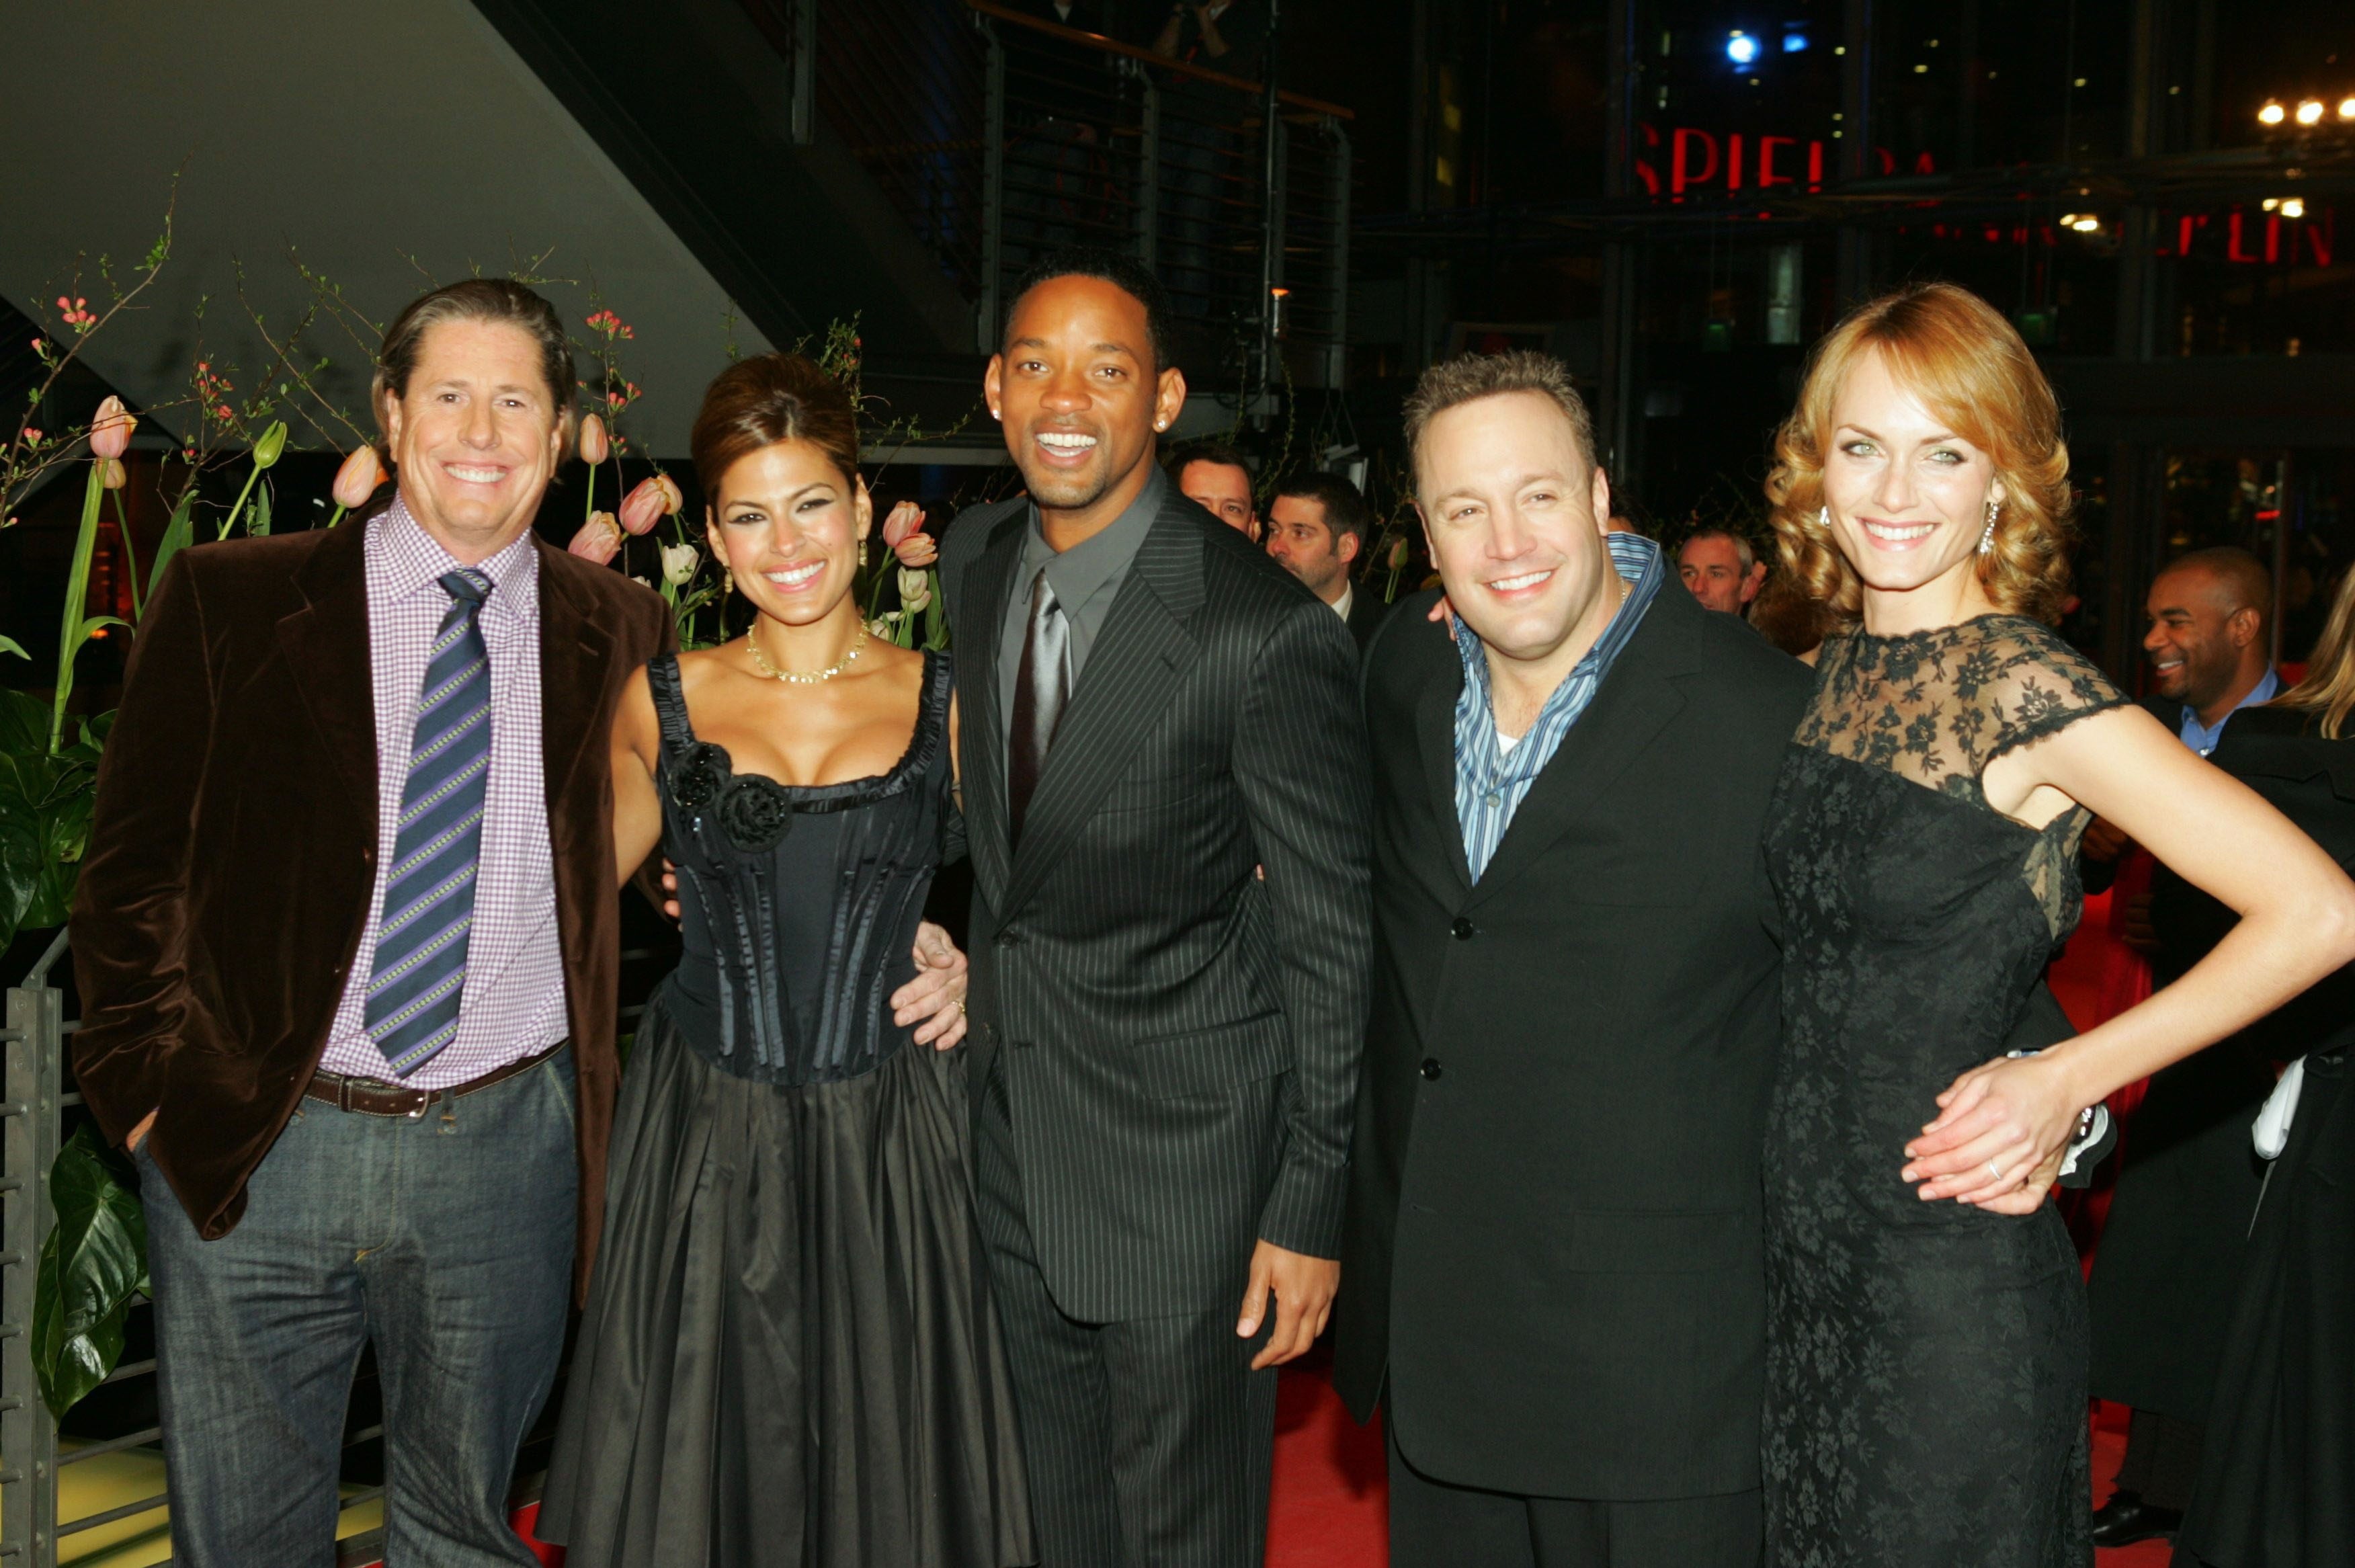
(358, 479)
(594, 445)
(647, 504)
(916, 551)
(600, 539)
(109, 429)
(905, 520)
(116, 478)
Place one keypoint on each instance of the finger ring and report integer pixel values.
(960, 1010)
(1995, 1170)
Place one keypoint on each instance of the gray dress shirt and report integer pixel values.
(1086, 579)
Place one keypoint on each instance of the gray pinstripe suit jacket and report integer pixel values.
(1179, 1041)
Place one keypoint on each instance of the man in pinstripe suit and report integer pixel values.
(1164, 1045)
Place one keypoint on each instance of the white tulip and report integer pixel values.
(679, 562)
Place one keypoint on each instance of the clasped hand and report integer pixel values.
(1999, 1137)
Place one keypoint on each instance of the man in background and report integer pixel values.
(2163, 1282)
(1212, 476)
(1721, 570)
(1317, 528)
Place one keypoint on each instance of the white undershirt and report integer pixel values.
(1341, 605)
(1505, 743)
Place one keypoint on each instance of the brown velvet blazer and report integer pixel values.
(231, 857)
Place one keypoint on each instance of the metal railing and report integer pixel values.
(31, 1533)
(999, 137)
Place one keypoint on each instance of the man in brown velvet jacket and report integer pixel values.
(347, 943)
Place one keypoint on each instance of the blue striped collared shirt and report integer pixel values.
(1489, 782)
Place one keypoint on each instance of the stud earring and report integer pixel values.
(1822, 516)
(1987, 539)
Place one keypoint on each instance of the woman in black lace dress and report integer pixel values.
(1926, 1325)
(789, 1355)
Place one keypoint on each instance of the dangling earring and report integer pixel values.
(1822, 516)
(727, 582)
(862, 555)
(1987, 539)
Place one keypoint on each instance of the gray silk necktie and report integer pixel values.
(1041, 686)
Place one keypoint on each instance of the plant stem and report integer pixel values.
(236, 511)
(130, 556)
(69, 627)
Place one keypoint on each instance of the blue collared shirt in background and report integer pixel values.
(1490, 781)
(2201, 738)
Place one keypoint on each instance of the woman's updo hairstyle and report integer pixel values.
(763, 400)
(1964, 360)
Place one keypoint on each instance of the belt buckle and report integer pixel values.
(424, 1104)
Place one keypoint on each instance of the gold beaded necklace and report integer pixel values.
(805, 677)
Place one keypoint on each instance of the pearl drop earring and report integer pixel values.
(1987, 539)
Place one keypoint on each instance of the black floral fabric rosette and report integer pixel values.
(755, 813)
(698, 776)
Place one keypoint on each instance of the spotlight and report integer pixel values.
(2309, 113)
(2347, 108)
(2086, 225)
(2294, 207)
(2270, 203)
(1741, 47)
(2271, 114)
(1796, 43)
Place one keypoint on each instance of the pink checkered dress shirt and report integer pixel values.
(513, 1005)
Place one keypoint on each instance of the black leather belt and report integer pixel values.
(375, 1097)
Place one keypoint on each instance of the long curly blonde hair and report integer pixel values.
(1965, 362)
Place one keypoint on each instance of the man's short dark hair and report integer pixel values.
(502, 301)
(1346, 511)
(2246, 582)
(1744, 550)
(1202, 449)
(1126, 273)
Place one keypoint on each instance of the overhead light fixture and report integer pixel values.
(2309, 113)
(2294, 207)
(2271, 114)
(2087, 224)
(1796, 42)
(2347, 108)
(1741, 47)
(2270, 203)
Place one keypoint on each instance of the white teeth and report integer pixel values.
(1066, 441)
(793, 577)
(477, 475)
(1897, 533)
(1513, 584)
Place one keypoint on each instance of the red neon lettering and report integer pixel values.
(1888, 160)
(1922, 164)
(1815, 165)
(1680, 176)
(2183, 230)
(2320, 238)
(1766, 175)
(2272, 238)
(1733, 161)
(2232, 252)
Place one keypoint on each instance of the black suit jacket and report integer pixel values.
(1178, 1039)
(1553, 1241)
(1366, 613)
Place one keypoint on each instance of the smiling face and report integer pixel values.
(1080, 398)
(787, 522)
(476, 436)
(1224, 491)
(1908, 499)
(1514, 515)
(2199, 636)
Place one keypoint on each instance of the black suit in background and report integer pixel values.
(1164, 1047)
(2276, 1488)
(1366, 613)
(1553, 1245)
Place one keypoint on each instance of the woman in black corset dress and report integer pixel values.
(1926, 1355)
(789, 1355)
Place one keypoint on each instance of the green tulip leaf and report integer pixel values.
(178, 534)
(10, 645)
(93, 1265)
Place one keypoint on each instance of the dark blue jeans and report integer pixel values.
(447, 1241)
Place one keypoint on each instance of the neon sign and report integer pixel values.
(1702, 160)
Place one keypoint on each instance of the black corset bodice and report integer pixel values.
(798, 905)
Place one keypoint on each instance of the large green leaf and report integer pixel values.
(24, 724)
(10, 645)
(45, 812)
(20, 840)
(178, 534)
(94, 1261)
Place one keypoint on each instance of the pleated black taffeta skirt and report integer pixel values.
(789, 1355)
